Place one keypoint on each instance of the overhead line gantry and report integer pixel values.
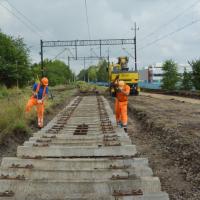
(81, 43)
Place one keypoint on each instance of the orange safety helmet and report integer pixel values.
(45, 81)
(121, 84)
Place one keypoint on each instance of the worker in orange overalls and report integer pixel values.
(40, 93)
(121, 103)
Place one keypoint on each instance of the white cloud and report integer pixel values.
(66, 20)
(5, 14)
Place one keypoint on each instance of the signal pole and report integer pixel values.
(84, 68)
(135, 44)
(108, 65)
(41, 54)
(68, 61)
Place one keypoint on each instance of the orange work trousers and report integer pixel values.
(40, 109)
(121, 111)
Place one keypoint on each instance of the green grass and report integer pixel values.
(12, 108)
(87, 87)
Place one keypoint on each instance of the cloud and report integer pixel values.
(66, 20)
(5, 15)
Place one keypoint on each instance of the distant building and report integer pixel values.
(154, 73)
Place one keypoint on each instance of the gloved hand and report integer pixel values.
(39, 101)
(35, 94)
(119, 89)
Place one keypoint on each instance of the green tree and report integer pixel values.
(102, 74)
(170, 75)
(56, 71)
(14, 61)
(95, 73)
(83, 75)
(92, 73)
(187, 83)
(196, 73)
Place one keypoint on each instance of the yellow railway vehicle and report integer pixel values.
(121, 71)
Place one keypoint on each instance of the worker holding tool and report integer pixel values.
(39, 94)
(121, 103)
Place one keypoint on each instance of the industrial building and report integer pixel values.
(154, 73)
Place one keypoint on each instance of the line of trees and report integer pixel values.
(57, 72)
(172, 80)
(95, 73)
(17, 70)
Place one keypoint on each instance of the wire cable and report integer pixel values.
(88, 24)
(60, 53)
(87, 19)
(18, 18)
(170, 34)
(125, 50)
(25, 17)
(171, 20)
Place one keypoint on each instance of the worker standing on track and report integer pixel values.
(40, 93)
(121, 103)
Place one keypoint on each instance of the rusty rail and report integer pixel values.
(118, 193)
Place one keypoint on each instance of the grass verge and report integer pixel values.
(12, 109)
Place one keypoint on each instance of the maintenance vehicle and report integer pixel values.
(121, 71)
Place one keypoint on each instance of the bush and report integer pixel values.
(3, 91)
(20, 126)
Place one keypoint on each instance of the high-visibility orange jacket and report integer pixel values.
(122, 97)
(121, 103)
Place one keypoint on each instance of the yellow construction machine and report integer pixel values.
(121, 71)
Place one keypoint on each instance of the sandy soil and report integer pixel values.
(167, 131)
(170, 97)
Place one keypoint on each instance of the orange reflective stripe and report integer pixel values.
(38, 88)
(44, 92)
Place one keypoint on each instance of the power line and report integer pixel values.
(87, 19)
(17, 17)
(164, 13)
(92, 50)
(171, 20)
(125, 50)
(59, 54)
(25, 17)
(169, 34)
(88, 24)
(69, 50)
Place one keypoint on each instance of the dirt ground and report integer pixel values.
(168, 133)
(170, 97)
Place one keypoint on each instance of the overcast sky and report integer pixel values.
(66, 20)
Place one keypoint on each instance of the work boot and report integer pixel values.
(125, 128)
(40, 125)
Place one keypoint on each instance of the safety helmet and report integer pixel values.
(121, 84)
(45, 81)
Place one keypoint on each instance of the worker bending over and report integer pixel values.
(39, 94)
(121, 103)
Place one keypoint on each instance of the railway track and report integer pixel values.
(79, 155)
